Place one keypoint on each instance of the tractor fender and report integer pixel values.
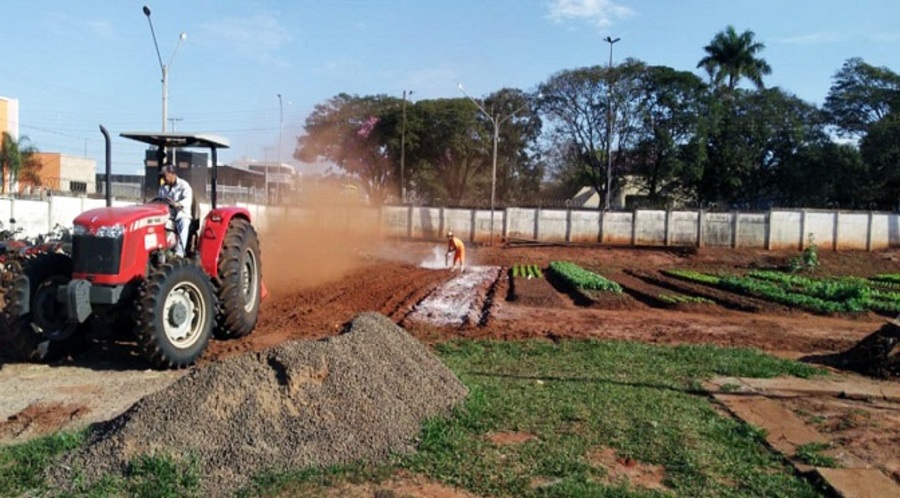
(215, 227)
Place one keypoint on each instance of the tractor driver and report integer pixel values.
(179, 194)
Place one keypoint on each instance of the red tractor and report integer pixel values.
(123, 275)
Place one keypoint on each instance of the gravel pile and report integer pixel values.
(360, 395)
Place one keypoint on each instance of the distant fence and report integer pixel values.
(774, 230)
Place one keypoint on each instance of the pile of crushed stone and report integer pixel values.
(362, 395)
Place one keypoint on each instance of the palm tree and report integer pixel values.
(17, 157)
(734, 56)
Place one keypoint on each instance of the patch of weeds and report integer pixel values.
(812, 454)
(730, 388)
(163, 476)
(853, 419)
(809, 260)
(312, 482)
(22, 465)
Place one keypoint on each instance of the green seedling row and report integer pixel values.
(835, 295)
(887, 278)
(526, 271)
(693, 276)
(581, 278)
(682, 299)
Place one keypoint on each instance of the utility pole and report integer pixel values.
(609, 118)
(173, 120)
(280, 132)
(403, 151)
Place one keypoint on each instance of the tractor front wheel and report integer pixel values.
(239, 281)
(33, 318)
(174, 315)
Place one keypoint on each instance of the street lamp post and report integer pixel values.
(609, 117)
(496, 120)
(280, 130)
(403, 151)
(163, 67)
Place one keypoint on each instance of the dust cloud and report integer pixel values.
(308, 246)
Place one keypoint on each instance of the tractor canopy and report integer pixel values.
(165, 140)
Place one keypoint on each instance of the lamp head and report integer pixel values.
(182, 36)
(146, 11)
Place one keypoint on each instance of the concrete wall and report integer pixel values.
(776, 230)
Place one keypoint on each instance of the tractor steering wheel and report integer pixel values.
(164, 200)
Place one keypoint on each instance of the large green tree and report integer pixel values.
(356, 134)
(575, 106)
(447, 156)
(860, 96)
(667, 106)
(654, 112)
(752, 136)
(18, 159)
(880, 149)
(824, 175)
(731, 56)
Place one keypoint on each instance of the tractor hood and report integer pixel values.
(127, 217)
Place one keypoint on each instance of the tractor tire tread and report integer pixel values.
(16, 284)
(231, 319)
(145, 318)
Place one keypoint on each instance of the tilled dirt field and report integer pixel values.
(390, 278)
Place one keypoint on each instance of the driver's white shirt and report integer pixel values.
(181, 193)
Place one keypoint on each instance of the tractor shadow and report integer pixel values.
(99, 355)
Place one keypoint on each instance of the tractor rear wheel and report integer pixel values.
(239, 281)
(35, 321)
(174, 314)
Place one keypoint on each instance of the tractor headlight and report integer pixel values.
(79, 230)
(111, 231)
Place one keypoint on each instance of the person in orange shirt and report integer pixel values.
(458, 249)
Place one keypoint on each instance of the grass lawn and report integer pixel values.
(577, 398)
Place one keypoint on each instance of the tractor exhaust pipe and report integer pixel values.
(108, 166)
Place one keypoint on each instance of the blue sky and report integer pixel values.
(74, 65)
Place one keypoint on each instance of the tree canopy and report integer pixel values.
(664, 136)
(17, 159)
(731, 56)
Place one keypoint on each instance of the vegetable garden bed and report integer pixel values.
(587, 288)
(528, 287)
(826, 295)
(722, 298)
(661, 297)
